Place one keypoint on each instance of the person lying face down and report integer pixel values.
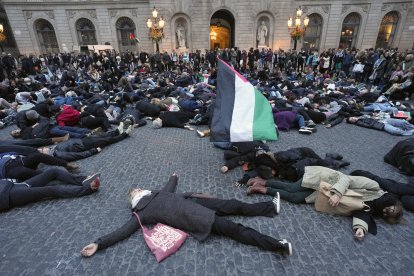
(197, 214)
(178, 119)
(377, 201)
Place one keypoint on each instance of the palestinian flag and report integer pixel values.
(241, 112)
(132, 37)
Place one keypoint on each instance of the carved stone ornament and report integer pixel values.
(134, 12)
(385, 7)
(345, 9)
(326, 9)
(71, 14)
(28, 14)
(50, 14)
(92, 13)
(113, 13)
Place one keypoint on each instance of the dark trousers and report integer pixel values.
(21, 194)
(102, 141)
(95, 122)
(25, 167)
(37, 142)
(316, 116)
(289, 191)
(237, 231)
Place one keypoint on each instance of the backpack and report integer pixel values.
(5, 158)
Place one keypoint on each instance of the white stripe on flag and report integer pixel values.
(241, 128)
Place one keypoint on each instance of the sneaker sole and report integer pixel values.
(290, 251)
(277, 204)
(90, 179)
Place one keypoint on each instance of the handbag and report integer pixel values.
(350, 201)
(163, 240)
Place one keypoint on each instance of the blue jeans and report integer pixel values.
(300, 120)
(384, 107)
(74, 132)
(398, 127)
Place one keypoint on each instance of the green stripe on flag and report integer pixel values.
(263, 122)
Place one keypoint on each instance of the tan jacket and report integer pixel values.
(340, 182)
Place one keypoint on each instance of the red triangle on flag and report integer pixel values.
(131, 36)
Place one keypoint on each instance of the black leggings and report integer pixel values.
(237, 231)
(21, 194)
(25, 167)
(111, 138)
(316, 116)
(289, 191)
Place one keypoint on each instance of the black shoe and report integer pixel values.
(305, 131)
(334, 156)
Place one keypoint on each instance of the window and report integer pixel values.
(46, 36)
(312, 37)
(349, 32)
(86, 32)
(124, 27)
(387, 30)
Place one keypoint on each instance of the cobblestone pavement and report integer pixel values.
(45, 238)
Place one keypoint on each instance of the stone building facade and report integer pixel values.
(41, 26)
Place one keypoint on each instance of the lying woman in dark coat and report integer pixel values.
(199, 216)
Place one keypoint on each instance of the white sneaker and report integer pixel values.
(129, 130)
(121, 128)
(200, 133)
(305, 131)
(287, 247)
(276, 202)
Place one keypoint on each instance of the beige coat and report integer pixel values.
(340, 182)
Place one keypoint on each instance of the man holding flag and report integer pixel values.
(241, 112)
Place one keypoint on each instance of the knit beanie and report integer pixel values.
(32, 115)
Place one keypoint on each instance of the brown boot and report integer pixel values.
(60, 139)
(256, 189)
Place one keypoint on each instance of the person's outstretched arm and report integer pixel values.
(172, 183)
(116, 236)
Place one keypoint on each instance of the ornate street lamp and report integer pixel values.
(2, 36)
(297, 31)
(156, 28)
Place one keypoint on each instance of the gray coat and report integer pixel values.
(164, 206)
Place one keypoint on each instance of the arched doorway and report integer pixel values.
(312, 37)
(46, 37)
(222, 34)
(124, 28)
(86, 32)
(387, 30)
(350, 30)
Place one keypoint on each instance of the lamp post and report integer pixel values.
(156, 28)
(297, 31)
(2, 36)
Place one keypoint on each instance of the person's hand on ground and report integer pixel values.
(359, 234)
(99, 149)
(89, 250)
(256, 181)
(334, 200)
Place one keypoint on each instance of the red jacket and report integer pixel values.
(68, 116)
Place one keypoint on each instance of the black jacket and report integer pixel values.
(402, 156)
(370, 123)
(166, 207)
(73, 149)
